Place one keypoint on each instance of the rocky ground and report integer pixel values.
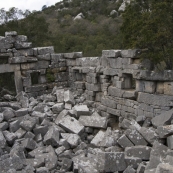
(63, 133)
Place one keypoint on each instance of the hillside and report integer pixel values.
(97, 29)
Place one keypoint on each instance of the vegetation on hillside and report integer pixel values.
(56, 26)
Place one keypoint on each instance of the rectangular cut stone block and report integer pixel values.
(124, 142)
(111, 71)
(18, 60)
(165, 131)
(111, 53)
(73, 55)
(113, 111)
(111, 162)
(108, 102)
(60, 95)
(130, 53)
(95, 120)
(71, 125)
(170, 141)
(153, 99)
(135, 137)
(81, 110)
(113, 91)
(45, 50)
(22, 45)
(142, 152)
(9, 68)
(168, 88)
(35, 88)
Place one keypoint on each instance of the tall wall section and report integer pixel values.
(118, 83)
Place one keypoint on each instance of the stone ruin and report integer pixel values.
(75, 114)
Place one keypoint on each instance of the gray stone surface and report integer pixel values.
(72, 125)
(81, 110)
(124, 142)
(95, 120)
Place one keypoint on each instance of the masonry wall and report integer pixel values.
(118, 83)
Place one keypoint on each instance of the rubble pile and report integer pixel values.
(61, 133)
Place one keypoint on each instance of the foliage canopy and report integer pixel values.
(148, 24)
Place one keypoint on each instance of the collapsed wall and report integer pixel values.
(115, 116)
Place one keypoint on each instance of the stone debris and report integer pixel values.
(107, 114)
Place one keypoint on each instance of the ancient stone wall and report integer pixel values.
(118, 82)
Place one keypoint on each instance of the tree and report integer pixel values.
(149, 25)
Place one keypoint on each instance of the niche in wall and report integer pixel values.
(128, 81)
(35, 78)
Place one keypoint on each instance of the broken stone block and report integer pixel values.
(68, 106)
(95, 121)
(149, 134)
(124, 142)
(140, 151)
(10, 137)
(14, 126)
(157, 155)
(129, 169)
(170, 141)
(11, 163)
(71, 125)
(68, 97)
(42, 170)
(165, 131)
(135, 137)
(40, 130)
(28, 123)
(133, 161)
(104, 139)
(57, 108)
(61, 115)
(21, 112)
(66, 164)
(29, 143)
(35, 163)
(72, 139)
(163, 119)
(60, 95)
(111, 162)
(20, 133)
(60, 150)
(164, 167)
(3, 126)
(2, 140)
(81, 110)
(52, 136)
(141, 167)
(8, 114)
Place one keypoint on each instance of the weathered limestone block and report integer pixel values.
(21, 38)
(130, 53)
(170, 141)
(124, 142)
(95, 120)
(57, 108)
(116, 63)
(108, 102)
(111, 71)
(160, 87)
(72, 139)
(60, 95)
(135, 137)
(22, 45)
(69, 97)
(9, 68)
(93, 87)
(168, 88)
(153, 99)
(73, 55)
(71, 125)
(35, 66)
(111, 162)
(24, 52)
(165, 131)
(140, 151)
(130, 94)
(113, 91)
(149, 134)
(114, 111)
(81, 110)
(133, 161)
(52, 136)
(164, 167)
(45, 50)
(18, 60)
(164, 118)
(45, 57)
(61, 76)
(145, 86)
(111, 53)
(2, 140)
